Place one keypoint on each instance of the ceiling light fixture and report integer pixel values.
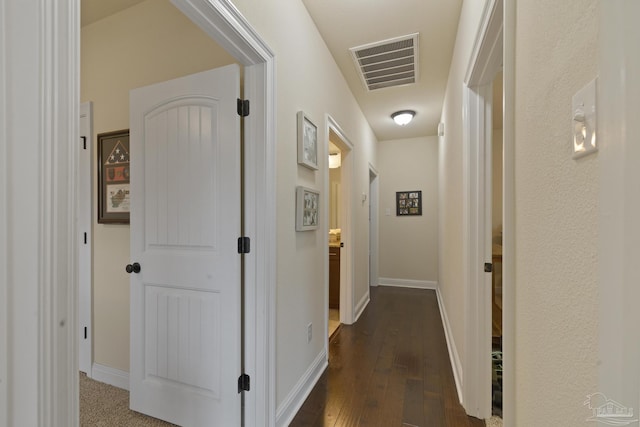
(403, 117)
(334, 160)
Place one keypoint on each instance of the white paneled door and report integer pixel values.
(185, 222)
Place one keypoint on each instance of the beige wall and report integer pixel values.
(556, 325)
(408, 244)
(556, 216)
(142, 45)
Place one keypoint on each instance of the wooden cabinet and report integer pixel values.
(334, 277)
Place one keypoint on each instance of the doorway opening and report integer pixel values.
(487, 60)
(335, 232)
(373, 226)
(226, 26)
(340, 232)
(496, 246)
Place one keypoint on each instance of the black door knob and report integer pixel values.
(133, 268)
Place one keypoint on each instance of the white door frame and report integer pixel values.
(619, 206)
(373, 226)
(347, 309)
(487, 58)
(50, 102)
(509, 215)
(84, 238)
(39, 117)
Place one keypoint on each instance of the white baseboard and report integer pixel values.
(362, 304)
(456, 366)
(406, 283)
(294, 400)
(111, 376)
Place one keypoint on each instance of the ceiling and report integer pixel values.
(345, 24)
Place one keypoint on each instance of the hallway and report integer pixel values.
(391, 368)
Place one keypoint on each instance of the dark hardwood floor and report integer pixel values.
(390, 369)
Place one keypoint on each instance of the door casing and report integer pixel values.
(347, 309)
(493, 51)
(85, 238)
(373, 226)
(58, 363)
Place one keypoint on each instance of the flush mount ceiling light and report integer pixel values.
(335, 160)
(403, 117)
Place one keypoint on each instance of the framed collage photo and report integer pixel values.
(408, 203)
(307, 208)
(113, 177)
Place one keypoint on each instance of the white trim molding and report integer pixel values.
(4, 227)
(111, 376)
(509, 217)
(454, 357)
(40, 92)
(296, 397)
(84, 238)
(484, 63)
(362, 304)
(348, 315)
(618, 203)
(40, 74)
(407, 283)
(226, 25)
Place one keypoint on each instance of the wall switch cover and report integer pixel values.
(584, 120)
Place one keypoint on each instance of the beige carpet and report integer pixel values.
(107, 406)
(494, 422)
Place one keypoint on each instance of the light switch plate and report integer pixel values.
(584, 121)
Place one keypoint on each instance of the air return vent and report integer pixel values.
(388, 63)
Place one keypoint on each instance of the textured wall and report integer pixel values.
(141, 45)
(556, 216)
(409, 244)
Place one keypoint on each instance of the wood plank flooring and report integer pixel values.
(389, 369)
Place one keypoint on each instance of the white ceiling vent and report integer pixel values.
(392, 62)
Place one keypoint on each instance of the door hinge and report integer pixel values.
(243, 107)
(488, 267)
(244, 245)
(84, 142)
(85, 332)
(85, 238)
(244, 383)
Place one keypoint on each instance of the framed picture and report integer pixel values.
(307, 142)
(307, 208)
(408, 203)
(113, 177)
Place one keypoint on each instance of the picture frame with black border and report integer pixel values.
(409, 203)
(113, 177)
